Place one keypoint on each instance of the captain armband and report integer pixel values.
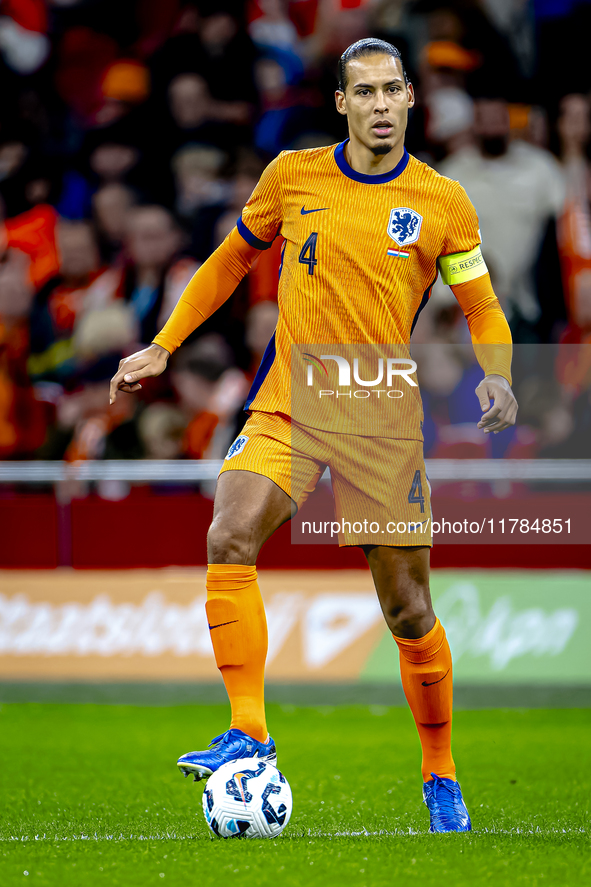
(462, 267)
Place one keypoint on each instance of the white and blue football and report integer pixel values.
(248, 798)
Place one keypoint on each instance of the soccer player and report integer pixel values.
(367, 228)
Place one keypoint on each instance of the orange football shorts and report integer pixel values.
(380, 488)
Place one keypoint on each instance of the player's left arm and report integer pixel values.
(463, 268)
(470, 282)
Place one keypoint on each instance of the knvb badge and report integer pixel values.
(237, 446)
(404, 227)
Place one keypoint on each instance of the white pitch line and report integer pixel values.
(400, 833)
(397, 833)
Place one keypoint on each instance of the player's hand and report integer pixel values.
(151, 361)
(503, 411)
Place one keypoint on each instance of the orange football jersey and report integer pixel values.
(359, 261)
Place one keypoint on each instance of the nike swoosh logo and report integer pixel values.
(220, 624)
(306, 212)
(430, 683)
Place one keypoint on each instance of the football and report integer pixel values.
(247, 798)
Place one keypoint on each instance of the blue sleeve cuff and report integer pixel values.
(251, 238)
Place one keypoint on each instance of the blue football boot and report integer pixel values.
(229, 746)
(446, 805)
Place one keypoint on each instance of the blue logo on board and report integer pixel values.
(404, 225)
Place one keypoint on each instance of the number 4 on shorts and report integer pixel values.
(416, 492)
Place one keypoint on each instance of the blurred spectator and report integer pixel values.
(210, 393)
(197, 117)
(82, 57)
(225, 49)
(216, 218)
(125, 83)
(465, 47)
(80, 283)
(23, 418)
(338, 24)
(271, 27)
(13, 155)
(450, 120)
(155, 275)
(16, 287)
(33, 233)
(277, 37)
(574, 130)
(113, 161)
(562, 29)
(161, 430)
(196, 169)
(23, 39)
(247, 172)
(285, 108)
(194, 383)
(210, 40)
(514, 19)
(111, 205)
(190, 102)
(517, 190)
(190, 118)
(103, 332)
(27, 179)
(84, 422)
(546, 410)
(445, 64)
(87, 426)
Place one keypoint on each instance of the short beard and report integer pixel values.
(379, 150)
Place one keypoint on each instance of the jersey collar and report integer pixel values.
(339, 156)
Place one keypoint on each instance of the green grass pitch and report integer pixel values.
(90, 795)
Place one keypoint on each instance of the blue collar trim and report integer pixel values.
(339, 156)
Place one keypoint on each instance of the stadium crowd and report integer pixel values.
(132, 133)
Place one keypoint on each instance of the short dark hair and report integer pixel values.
(367, 46)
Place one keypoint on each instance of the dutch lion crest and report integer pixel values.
(404, 225)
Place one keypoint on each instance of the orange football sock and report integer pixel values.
(426, 671)
(238, 629)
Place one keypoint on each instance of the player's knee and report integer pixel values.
(412, 619)
(229, 544)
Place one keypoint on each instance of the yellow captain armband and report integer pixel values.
(461, 267)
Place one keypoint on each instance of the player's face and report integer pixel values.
(376, 102)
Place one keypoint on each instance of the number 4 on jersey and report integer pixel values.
(309, 248)
(415, 497)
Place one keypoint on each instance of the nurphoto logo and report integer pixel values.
(396, 369)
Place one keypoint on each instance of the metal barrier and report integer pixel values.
(193, 471)
(189, 472)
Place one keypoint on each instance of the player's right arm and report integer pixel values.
(211, 285)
